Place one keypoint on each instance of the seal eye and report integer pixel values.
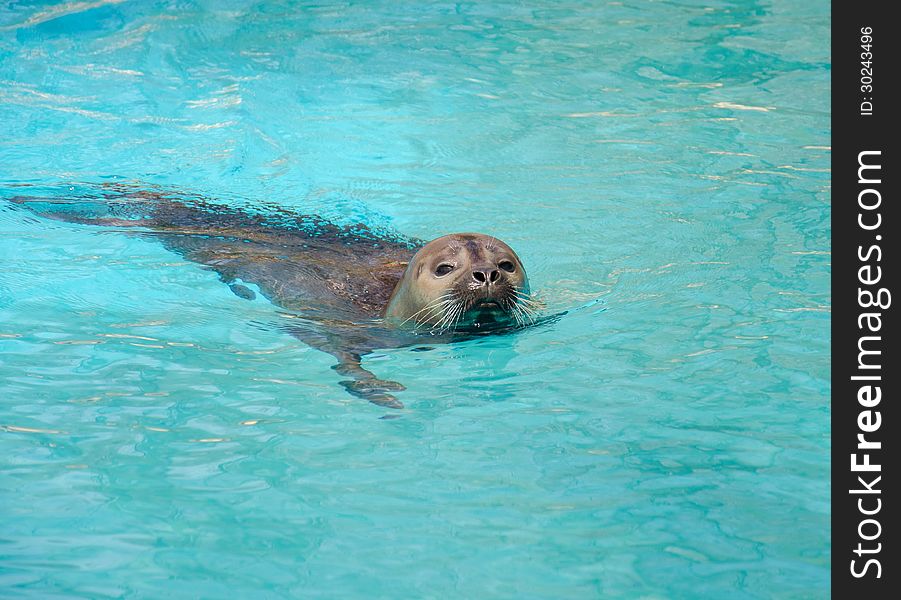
(507, 266)
(443, 269)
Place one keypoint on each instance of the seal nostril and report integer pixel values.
(478, 276)
(493, 276)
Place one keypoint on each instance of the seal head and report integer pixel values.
(462, 280)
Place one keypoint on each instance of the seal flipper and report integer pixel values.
(242, 291)
(87, 211)
(366, 385)
(349, 350)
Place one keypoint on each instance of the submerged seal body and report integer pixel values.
(348, 290)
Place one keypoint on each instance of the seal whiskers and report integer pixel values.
(438, 304)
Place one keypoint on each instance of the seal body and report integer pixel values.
(348, 290)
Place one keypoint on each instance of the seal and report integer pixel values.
(346, 290)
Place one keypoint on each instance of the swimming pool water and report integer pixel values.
(662, 168)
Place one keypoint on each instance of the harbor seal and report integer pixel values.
(347, 290)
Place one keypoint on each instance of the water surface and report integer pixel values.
(662, 168)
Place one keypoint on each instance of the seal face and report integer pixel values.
(463, 280)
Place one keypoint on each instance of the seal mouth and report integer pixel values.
(486, 311)
(486, 303)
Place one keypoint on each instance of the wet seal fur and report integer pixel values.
(348, 290)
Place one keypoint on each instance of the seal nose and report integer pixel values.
(486, 276)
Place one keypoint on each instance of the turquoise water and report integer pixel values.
(662, 168)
